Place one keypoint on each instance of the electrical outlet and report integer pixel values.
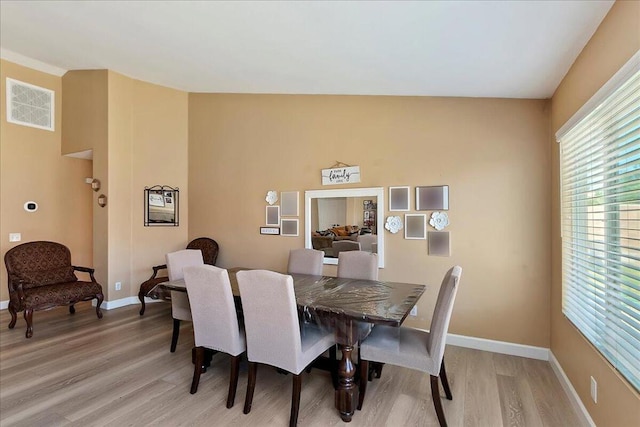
(118, 286)
(594, 390)
(15, 237)
(414, 311)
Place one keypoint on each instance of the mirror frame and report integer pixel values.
(175, 201)
(377, 192)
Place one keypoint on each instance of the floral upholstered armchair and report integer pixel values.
(40, 276)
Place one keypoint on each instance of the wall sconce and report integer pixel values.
(102, 200)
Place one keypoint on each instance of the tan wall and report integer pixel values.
(138, 134)
(160, 156)
(33, 168)
(492, 152)
(617, 39)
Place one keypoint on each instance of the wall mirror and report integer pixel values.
(344, 214)
(161, 206)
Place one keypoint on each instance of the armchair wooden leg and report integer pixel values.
(233, 381)
(364, 379)
(445, 382)
(72, 309)
(99, 299)
(295, 400)
(174, 336)
(14, 316)
(28, 317)
(437, 404)
(197, 369)
(143, 304)
(251, 385)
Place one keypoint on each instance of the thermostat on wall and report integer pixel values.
(30, 206)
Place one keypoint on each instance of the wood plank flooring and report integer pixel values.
(118, 371)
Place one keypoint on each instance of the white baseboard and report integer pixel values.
(575, 400)
(502, 347)
(4, 305)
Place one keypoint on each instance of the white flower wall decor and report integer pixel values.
(393, 224)
(439, 220)
(272, 197)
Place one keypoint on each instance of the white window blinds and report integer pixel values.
(600, 179)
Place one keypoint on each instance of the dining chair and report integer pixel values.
(305, 261)
(344, 246)
(215, 321)
(210, 250)
(358, 265)
(269, 305)
(414, 348)
(180, 310)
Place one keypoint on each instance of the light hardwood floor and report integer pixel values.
(118, 371)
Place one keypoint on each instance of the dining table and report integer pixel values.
(349, 307)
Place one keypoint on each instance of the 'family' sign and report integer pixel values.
(344, 175)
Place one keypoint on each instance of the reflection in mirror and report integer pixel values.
(161, 205)
(345, 214)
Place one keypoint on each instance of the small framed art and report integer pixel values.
(415, 226)
(289, 227)
(433, 198)
(273, 215)
(399, 198)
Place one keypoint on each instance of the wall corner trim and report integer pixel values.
(575, 400)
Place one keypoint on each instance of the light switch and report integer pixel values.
(15, 237)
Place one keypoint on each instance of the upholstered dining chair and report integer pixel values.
(305, 261)
(209, 249)
(414, 348)
(358, 265)
(269, 305)
(180, 310)
(215, 321)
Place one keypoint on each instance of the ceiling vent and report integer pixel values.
(30, 105)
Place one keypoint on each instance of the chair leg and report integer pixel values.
(174, 336)
(14, 315)
(28, 317)
(295, 400)
(364, 379)
(233, 380)
(251, 385)
(445, 382)
(144, 305)
(72, 309)
(197, 369)
(437, 404)
(99, 299)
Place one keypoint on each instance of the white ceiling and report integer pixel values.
(506, 49)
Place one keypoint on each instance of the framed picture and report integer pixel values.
(399, 198)
(273, 215)
(289, 203)
(434, 198)
(415, 226)
(439, 243)
(289, 227)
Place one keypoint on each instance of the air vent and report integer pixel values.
(30, 105)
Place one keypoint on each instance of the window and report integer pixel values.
(600, 179)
